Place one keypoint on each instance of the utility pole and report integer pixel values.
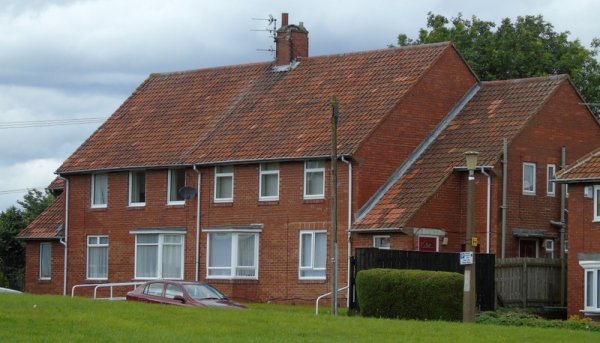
(469, 295)
(334, 264)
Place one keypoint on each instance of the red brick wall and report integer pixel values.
(413, 119)
(33, 284)
(278, 242)
(584, 236)
(561, 122)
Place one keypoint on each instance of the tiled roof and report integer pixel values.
(57, 183)
(49, 224)
(500, 109)
(585, 169)
(250, 112)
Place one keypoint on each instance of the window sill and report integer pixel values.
(44, 281)
(175, 204)
(313, 201)
(311, 281)
(529, 194)
(136, 207)
(99, 209)
(232, 281)
(96, 280)
(591, 312)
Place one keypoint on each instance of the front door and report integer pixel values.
(527, 248)
(428, 243)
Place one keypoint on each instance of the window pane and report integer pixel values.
(98, 262)
(171, 263)
(220, 250)
(138, 187)
(528, 177)
(550, 177)
(589, 287)
(306, 253)
(173, 291)
(320, 250)
(597, 289)
(45, 260)
(100, 189)
(173, 239)
(146, 262)
(225, 169)
(147, 239)
(176, 182)
(155, 289)
(224, 187)
(314, 183)
(270, 166)
(597, 201)
(245, 250)
(315, 164)
(103, 240)
(270, 185)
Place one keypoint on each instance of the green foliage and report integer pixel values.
(526, 47)
(37, 318)
(518, 317)
(410, 294)
(12, 221)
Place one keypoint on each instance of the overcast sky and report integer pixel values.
(68, 59)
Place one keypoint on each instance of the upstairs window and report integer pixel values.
(223, 184)
(528, 178)
(269, 181)
(551, 186)
(597, 203)
(176, 181)
(314, 179)
(99, 190)
(137, 188)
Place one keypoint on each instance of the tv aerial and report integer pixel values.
(271, 29)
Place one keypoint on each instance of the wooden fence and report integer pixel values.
(528, 282)
(367, 258)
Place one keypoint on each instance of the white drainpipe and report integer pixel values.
(488, 210)
(349, 226)
(199, 198)
(66, 238)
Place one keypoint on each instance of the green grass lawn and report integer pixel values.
(32, 318)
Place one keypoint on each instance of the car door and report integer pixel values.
(153, 293)
(171, 291)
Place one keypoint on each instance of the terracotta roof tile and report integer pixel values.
(248, 112)
(585, 169)
(49, 224)
(499, 109)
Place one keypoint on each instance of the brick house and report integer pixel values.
(583, 228)
(223, 174)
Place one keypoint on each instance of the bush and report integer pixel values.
(410, 294)
(521, 317)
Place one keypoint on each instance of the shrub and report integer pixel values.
(410, 294)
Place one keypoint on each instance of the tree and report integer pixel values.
(524, 48)
(12, 221)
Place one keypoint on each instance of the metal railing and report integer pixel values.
(323, 296)
(105, 285)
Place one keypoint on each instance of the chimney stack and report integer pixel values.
(291, 42)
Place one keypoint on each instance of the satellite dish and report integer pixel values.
(187, 192)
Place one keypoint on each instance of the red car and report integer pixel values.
(181, 293)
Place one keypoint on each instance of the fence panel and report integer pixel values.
(528, 282)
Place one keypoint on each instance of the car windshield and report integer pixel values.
(199, 291)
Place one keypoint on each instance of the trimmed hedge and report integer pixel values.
(410, 294)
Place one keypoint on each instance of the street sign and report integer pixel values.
(466, 257)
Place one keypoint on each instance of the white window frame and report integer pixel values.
(49, 276)
(93, 190)
(312, 258)
(525, 166)
(159, 256)
(260, 181)
(219, 175)
(131, 203)
(169, 185)
(316, 170)
(377, 242)
(550, 185)
(234, 256)
(592, 267)
(596, 210)
(95, 245)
